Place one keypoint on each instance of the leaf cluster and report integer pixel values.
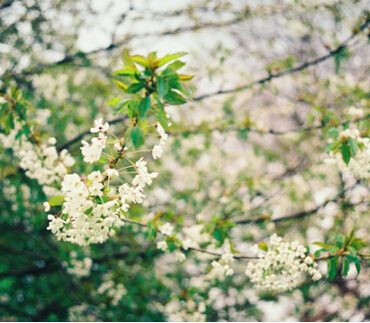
(344, 248)
(152, 83)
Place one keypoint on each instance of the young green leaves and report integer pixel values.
(345, 248)
(152, 84)
(345, 142)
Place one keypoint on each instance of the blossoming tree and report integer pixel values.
(141, 192)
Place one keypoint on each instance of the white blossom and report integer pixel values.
(99, 126)
(162, 245)
(179, 256)
(92, 152)
(110, 172)
(358, 165)
(47, 207)
(166, 229)
(157, 151)
(143, 177)
(279, 269)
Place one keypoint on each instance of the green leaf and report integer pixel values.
(105, 198)
(132, 105)
(332, 268)
(357, 244)
(157, 216)
(345, 267)
(11, 121)
(135, 87)
(352, 250)
(121, 105)
(152, 232)
(332, 145)
(162, 87)
(161, 115)
(152, 56)
(263, 246)
(346, 154)
(356, 261)
(56, 200)
(174, 98)
(183, 77)
(144, 106)
(121, 86)
(176, 65)
(353, 146)
(141, 60)
(352, 258)
(358, 267)
(137, 136)
(217, 234)
(339, 240)
(18, 135)
(126, 59)
(171, 245)
(333, 132)
(128, 71)
(114, 101)
(168, 58)
(322, 245)
(103, 159)
(169, 72)
(127, 137)
(178, 86)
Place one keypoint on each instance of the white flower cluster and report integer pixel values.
(282, 267)
(359, 166)
(143, 177)
(92, 152)
(89, 219)
(90, 210)
(41, 162)
(112, 290)
(185, 311)
(157, 150)
(80, 268)
(221, 270)
(166, 230)
(81, 313)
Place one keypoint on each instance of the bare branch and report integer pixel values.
(291, 70)
(297, 215)
(267, 132)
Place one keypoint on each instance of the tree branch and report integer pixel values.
(297, 215)
(83, 134)
(312, 62)
(267, 132)
(68, 59)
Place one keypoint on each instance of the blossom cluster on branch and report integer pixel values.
(41, 162)
(92, 208)
(281, 267)
(354, 157)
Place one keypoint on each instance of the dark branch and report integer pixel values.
(83, 134)
(297, 215)
(71, 59)
(268, 132)
(291, 70)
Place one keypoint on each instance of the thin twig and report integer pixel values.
(297, 215)
(312, 62)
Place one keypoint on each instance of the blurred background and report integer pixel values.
(244, 158)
